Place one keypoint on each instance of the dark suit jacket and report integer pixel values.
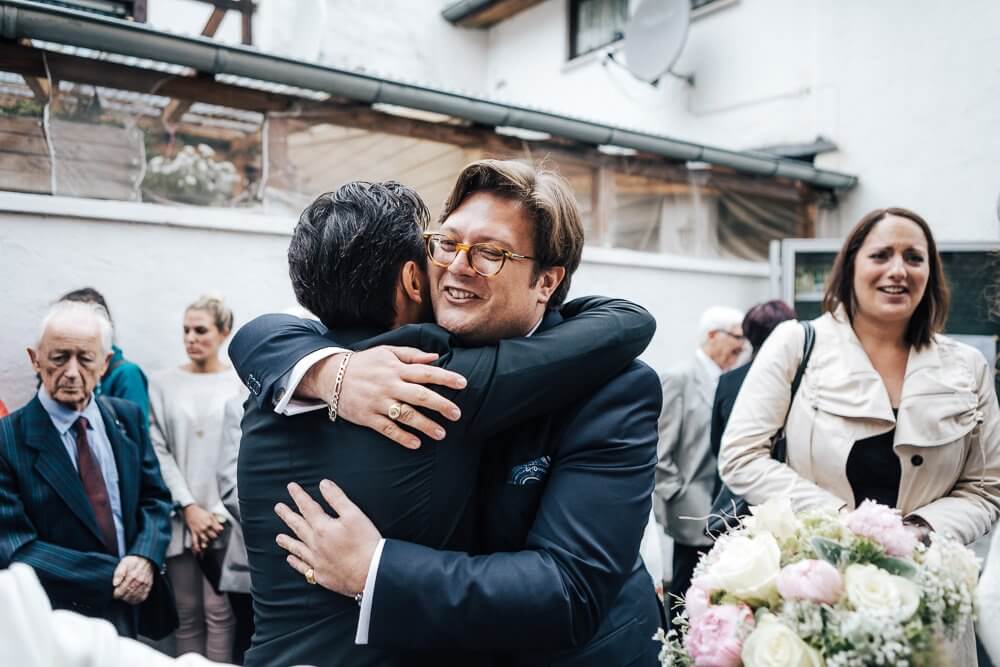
(559, 580)
(46, 520)
(419, 496)
(725, 397)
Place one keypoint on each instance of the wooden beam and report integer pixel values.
(39, 88)
(471, 137)
(234, 5)
(28, 62)
(176, 108)
(602, 202)
(496, 12)
(213, 22)
(139, 11)
(248, 25)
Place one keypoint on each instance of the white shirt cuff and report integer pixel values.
(288, 405)
(361, 638)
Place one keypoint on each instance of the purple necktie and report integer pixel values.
(95, 488)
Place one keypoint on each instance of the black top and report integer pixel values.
(874, 471)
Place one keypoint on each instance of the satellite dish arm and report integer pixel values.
(610, 56)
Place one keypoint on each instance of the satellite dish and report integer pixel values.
(655, 36)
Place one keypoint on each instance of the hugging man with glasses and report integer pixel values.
(512, 538)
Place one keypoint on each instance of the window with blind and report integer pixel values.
(595, 23)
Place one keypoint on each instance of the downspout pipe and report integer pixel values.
(26, 19)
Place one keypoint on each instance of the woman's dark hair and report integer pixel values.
(348, 248)
(931, 313)
(760, 320)
(87, 295)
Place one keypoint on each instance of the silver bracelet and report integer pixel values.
(331, 406)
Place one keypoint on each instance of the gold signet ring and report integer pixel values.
(311, 576)
(394, 411)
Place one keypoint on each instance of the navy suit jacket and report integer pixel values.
(558, 580)
(425, 496)
(46, 520)
(725, 397)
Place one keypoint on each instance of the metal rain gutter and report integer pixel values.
(25, 19)
(462, 9)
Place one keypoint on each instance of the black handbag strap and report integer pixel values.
(807, 348)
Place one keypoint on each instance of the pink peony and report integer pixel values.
(696, 602)
(812, 580)
(715, 639)
(882, 524)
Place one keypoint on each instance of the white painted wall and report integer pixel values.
(908, 89)
(400, 39)
(147, 272)
(150, 261)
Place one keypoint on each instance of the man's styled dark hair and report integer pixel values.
(547, 200)
(348, 248)
(932, 312)
(760, 320)
(87, 295)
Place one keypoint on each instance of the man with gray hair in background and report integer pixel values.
(81, 497)
(686, 466)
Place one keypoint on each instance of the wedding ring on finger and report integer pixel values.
(311, 576)
(394, 411)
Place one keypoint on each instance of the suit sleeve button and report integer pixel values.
(917, 459)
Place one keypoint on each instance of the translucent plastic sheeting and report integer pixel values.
(93, 153)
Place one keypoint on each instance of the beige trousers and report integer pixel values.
(207, 624)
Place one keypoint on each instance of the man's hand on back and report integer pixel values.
(378, 378)
(339, 549)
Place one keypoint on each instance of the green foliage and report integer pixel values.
(864, 550)
(25, 106)
(899, 567)
(828, 550)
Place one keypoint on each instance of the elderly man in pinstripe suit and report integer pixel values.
(81, 497)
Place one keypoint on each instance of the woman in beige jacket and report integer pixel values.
(888, 408)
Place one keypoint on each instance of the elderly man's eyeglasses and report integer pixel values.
(485, 259)
(740, 337)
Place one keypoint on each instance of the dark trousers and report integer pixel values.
(242, 605)
(685, 558)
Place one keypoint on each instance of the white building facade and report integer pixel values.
(907, 91)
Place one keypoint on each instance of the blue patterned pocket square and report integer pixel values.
(532, 472)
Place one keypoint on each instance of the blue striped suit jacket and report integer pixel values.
(46, 520)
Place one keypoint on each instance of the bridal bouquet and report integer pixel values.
(821, 588)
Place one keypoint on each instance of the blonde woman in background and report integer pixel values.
(187, 405)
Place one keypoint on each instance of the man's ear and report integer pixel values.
(411, 281)
(107, 362)
(548, 280)
(33, 355)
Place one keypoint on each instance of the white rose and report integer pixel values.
(870, 588)
(747, 568)
(776, 517)
(774, 644)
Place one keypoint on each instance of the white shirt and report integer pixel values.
(287, 405)
(710, 366)
(33, 635)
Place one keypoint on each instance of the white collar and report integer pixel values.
(710, 366)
